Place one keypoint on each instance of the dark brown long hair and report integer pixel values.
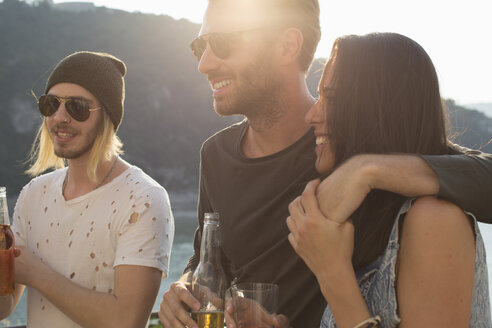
(386, 100)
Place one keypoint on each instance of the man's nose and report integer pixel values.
(61, 115)
(209, 61)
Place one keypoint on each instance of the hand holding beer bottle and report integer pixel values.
(7, 272)
(209, 281)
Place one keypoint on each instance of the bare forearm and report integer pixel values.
(87, 308)
(123, 308)
(342, 192)
(342, 293)
(408, 175)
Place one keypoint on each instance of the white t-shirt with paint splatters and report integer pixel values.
(127, 221)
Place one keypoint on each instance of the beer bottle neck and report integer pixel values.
(210, 247)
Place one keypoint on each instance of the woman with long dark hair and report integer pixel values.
(396, 261)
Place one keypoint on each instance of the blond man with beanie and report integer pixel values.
(94, 235)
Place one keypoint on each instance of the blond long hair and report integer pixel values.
(43, 157)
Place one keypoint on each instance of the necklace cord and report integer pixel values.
(102, 181)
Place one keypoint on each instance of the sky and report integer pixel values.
(456, 34)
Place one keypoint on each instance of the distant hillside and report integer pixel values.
(470, 127)
(168, 108)
(486, 108)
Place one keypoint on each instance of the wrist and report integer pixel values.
(335, 280)
(186, 277)
(345, 299)
(367, 171)
(370, 322)
(38, 276)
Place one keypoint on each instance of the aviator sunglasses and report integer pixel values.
(78, 108)
(221, 44)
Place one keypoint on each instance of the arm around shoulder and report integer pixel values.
(342, 192)
(436, 264)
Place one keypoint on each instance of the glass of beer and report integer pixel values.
(255, 304)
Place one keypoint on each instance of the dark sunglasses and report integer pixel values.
(78, 108)
(221, 44)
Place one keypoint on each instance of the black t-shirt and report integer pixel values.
(252, 197)
(465, 178)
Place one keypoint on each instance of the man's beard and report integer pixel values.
(75, 153)
(257, 94)
(89, 140)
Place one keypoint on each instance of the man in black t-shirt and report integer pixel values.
(255, 54)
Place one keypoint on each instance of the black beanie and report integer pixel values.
(100, 73)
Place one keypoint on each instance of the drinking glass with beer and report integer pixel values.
(255, 304)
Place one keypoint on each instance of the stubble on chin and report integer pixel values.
(75, 153)
(257, 95)
(223, 107)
